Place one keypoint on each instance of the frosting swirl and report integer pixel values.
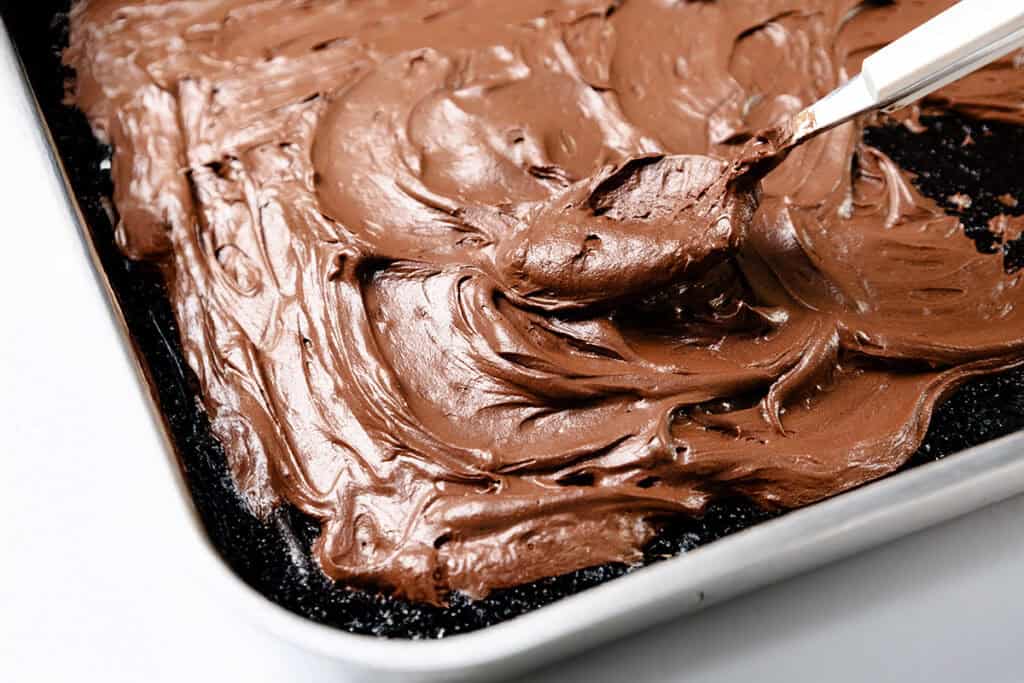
(476, 284)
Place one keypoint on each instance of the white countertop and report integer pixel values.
(91, 592)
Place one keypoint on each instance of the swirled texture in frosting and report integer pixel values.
(471, 283)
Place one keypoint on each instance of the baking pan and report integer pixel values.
(525, 627)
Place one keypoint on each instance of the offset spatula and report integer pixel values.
(964, 38)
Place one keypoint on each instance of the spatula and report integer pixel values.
(964, 38)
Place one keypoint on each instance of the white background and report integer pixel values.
(98, 580)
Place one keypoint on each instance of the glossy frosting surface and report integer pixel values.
(473, 282)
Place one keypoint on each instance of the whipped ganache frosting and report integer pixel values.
(478, 285)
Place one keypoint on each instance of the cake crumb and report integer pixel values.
(1007, 228)
(960, 201)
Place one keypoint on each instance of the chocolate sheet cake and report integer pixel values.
(460, 314)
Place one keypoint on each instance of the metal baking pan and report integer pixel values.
(773, 549)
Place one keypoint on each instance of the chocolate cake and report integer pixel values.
(679, 421)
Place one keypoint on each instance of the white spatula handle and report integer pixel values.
(967, 36)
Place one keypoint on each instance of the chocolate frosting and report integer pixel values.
(482, 287)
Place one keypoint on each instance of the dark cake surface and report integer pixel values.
(259, 551)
